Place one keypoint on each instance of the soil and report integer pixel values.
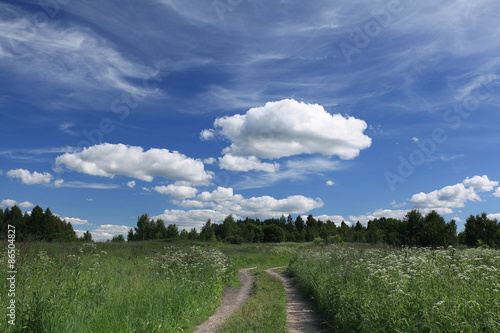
(299, 316)
(232, 300)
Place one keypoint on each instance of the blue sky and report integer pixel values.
(189, 110)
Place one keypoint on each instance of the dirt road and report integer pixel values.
(232, 299)
(299, 316)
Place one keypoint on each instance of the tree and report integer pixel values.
(273, 234)
(207, 233)
(433, 230)
(160, 230)
(130, 235)
(480, 229)
(299, 223)
(414, 223)
(34, 224)
(87, 236)
(229, 228)
(118, 239)
(172, 231)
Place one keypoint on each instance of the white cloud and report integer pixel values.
(210, 160)
(76, 221)
(66, 128)
(8, 203)
(288, 127)
(108, 160)
(225, 201)
(414, 139)
(292, 170)
(387, 213)
(497, 192)
(330, 182)
(337, 219)
(207, 134)
(107, 231)
(74, 61)
(494, 216)
(130, 184)
(244, 164)
(29, 178)
(58, 182)
(26, 204)
(176, 192)
(11, 203)
(454, 196)
(187, 219)
(480, 183)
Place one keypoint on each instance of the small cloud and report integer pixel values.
(76, 221)
(146, 189)
(497, 192)
(207, 134)
(66, 128)
(29, 178)
(210, 160)
(26, 204)
(89, 199)
(131, 184)
(457, 219)
(414, 139)
(8, 203)
(330, 183)
(494, 216)
(394, 204)
(245, 164)
(58, 182)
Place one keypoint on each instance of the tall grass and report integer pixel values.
(408, 290)
(264, 312)
(95, 287)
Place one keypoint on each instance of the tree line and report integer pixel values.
(39, 225)
(415, 229)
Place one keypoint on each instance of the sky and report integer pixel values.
(190, 110)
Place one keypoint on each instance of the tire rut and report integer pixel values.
(233, 299)
(299, 316)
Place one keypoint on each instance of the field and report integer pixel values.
(163, 287)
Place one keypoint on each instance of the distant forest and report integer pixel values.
(37, 226)
(414, 229)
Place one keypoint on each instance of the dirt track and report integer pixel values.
(299, 316)
(232, 299)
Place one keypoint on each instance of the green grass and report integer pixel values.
(410, 290)
(264, 312)
(262, 255)
(103, 287)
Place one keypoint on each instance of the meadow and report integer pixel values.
(363, 289)
(172, 287)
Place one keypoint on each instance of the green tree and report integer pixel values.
(87, 236)
(118, 239)
(414, 223)
(207, 232)
(273, 234)
(160, 230)
(433, 230)
(34, 224)
(480, 229)
(172, 231)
